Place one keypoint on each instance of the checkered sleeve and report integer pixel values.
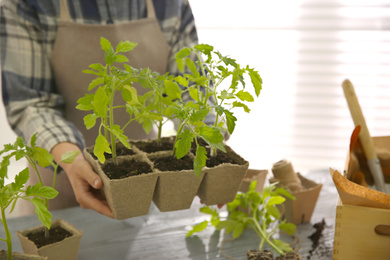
(32, 106)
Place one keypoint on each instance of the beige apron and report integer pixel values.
(76, 47)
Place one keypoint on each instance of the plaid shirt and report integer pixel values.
(27, 35)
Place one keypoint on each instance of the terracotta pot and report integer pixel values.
(66, 249)
(221, 183)
(20, 256)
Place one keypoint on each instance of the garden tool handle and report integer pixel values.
(364, 136)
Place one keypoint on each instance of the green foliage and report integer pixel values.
(109, 80)
(37, 194)
(204, 82)
(254, 210)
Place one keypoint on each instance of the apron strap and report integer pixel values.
(65, 17)
(64, 11)
(150, 9)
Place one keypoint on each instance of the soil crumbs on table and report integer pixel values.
(319, 248)
(126, 169)
(57, 234)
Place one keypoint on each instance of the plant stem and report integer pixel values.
(6, 230)
(112, 136)
(263, 235)
(179, 130)
(160, 124)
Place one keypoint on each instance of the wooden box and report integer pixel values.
(363, 232)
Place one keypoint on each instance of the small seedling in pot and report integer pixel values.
(109, 80)
(36, 155)
(37, 194)
(253, 210)
(204, 82)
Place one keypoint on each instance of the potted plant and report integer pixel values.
(13, 191)
(257, 211)
(54, 238)
(222, 178)
(195, 141)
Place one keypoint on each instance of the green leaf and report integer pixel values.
(101, 146)
(199, 115)
(200, 160)
(68, 157)
(183, 53)
(228, 225)
(285, 193)
(129, 94)
(147, 124)
(21, 179)
(110, 57)
(239, 104)
(252, 186)
(181, 80)
(85, 103)
(273, 211)
(97, 67)
(289, 228)
(183, 145)
(256, 81)
(197, 228)
(245, 96)
(285, 247)
(208, 210)
(118, 132)
(41, 191)
(100, 102)
(172, 90)
(105, 44)
(211, 135)
(90, 120)
(194, 93)
(95, 82)
(42, 212)
(230, 121)
(43, 157)
(20, 143)
(125, 46)
(121, 58)
(275, 200)
(191, 65)
(238, 229)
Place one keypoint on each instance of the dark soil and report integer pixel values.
(57, 234)
(319, 249)
(289, 256)
(121, 150)
(166, 144)
(126, 169)
(170, 163)
(259, 255)
(219, 159)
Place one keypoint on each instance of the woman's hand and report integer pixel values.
(85, 182)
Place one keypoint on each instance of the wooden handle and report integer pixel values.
(358, 118)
